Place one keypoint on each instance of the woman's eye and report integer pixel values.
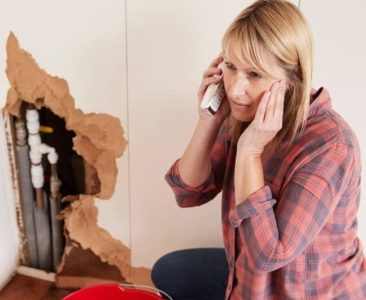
(255, 75)
(230, 66)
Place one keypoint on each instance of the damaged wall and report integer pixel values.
(99, 139)
(77, 33)
(98, 82)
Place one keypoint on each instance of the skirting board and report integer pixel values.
(35, 273)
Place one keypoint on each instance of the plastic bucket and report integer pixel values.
(115, 292)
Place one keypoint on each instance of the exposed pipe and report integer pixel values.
(37, 149)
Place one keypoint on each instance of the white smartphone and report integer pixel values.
(213, 97)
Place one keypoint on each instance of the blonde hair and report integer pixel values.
(277, 28)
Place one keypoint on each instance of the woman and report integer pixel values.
(288, 167)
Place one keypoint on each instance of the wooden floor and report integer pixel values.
(27, 288)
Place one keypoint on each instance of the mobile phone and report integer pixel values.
(213, 97)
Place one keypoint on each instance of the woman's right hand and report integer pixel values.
(208, 78)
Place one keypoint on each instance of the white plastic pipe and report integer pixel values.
(34, 140)
(37, 149)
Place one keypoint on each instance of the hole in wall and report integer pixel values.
(70, 166)
(98, 139)
(44, 236)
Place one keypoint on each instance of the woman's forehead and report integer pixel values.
(240, 58)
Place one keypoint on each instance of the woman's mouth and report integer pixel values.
(241, 106)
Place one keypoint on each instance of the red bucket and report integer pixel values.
(114, 292)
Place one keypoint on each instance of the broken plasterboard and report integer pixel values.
(99, 140)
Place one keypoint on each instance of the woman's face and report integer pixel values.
(245, 86)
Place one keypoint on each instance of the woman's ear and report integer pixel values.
(298, 73)
(294, 75)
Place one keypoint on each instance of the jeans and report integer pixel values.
(192, 274)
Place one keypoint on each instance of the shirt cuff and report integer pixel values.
(255, 203)
(174, 180)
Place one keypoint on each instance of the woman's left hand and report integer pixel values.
(267, 121)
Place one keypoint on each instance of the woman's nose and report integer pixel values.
(239, 87)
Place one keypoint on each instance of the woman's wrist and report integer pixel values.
(210, 125)
(195, 164)
(248, 176)
(247, 153)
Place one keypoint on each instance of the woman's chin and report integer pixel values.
(242, 117)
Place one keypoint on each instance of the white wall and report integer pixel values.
(142, 63)
(8, 229)
(170, 43)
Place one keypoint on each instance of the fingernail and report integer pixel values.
(275, 86)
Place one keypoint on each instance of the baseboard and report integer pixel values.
(35, 273)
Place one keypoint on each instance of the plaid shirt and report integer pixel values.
(296, 237)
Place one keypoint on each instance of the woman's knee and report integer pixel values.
(190, 270)
(167, 266)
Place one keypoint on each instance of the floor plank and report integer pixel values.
(28, 288)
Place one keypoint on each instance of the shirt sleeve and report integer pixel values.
(253, 205)
(276, 236)
(187, 196)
